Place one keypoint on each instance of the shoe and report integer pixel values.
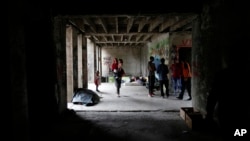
(118, 95)
(179, 97)
(162, 97)
(189, 98)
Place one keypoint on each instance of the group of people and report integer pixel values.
(181, 77)
(118, 71)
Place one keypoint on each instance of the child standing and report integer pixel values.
(97, 80)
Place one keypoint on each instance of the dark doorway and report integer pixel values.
(185, 53)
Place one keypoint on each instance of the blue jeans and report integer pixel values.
(176, 84)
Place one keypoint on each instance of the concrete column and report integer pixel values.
(95, 57)
(206, 57)
(79, 61)
(75, 58)
(60, 44)
(84, 63)
(198, 77)
(91, 60)
(69, 62)
(99, 66)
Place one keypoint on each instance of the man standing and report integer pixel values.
(163, 71)
(175, 69)
(185, 79)
(151, 76)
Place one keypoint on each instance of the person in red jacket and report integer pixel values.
(185, 79)
(176, 76)
(114, 65)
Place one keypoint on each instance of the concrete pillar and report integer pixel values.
(98, 59)
(75, 58)
(206, 56)
(84, 63)
(69, 62)
(91, 60)
(60, 44)
(79, 61)
(199, 86)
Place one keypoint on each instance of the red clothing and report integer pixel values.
(97, 80)
(114, 66)
(176, 70)
(186, 71)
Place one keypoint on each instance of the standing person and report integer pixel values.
(118, 77)
(151, 76)
(176, 76)
(114, 65)
(97, 80)
(185, 79)
(163, 71)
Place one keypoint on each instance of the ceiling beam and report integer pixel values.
(138, 38)
(142, 23)
(90, 24)
(146, 37)
(116, 24)
(184, 21)
(158, 20)
(168, 23)
(104, 25)
(130, 24)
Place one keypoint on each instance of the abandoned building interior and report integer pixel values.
(56, 48)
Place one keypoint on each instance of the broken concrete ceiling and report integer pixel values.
(122, 24)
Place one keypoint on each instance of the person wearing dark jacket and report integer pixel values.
(151, 76)
(163, 71)
(118, 77)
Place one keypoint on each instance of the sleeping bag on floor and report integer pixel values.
(85, 97)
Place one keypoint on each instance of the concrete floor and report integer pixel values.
(132, 98)
(132, 117)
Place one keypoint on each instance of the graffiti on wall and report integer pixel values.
(174, 50)
(107, 61)
(159, 50)
(185, 43)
